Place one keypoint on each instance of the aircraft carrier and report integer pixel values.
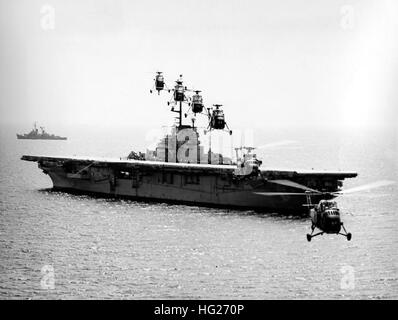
(179, 170)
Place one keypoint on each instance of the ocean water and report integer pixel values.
(56, 245)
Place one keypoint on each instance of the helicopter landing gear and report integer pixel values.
(348, 235)
(310, 236)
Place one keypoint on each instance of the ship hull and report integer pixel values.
(202, 185)
(244, 200)
(21, 137)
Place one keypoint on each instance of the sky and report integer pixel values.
(270, 63)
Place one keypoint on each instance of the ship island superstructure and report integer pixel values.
(179, 170)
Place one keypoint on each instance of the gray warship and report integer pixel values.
(178, 170)
(36, 135)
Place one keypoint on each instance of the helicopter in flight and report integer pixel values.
(196, 104)
(159, 84)
(181, 94)
(326, 217)
(217, 119)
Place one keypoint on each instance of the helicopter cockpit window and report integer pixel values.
(197, 99)
(330, 204)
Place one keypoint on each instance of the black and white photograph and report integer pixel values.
(217, 150)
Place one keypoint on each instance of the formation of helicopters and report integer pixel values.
(194, 100)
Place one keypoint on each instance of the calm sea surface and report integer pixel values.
(117, 249)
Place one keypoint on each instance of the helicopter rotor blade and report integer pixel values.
(280, 193)
(310, 191)
(276, 144)
(369, 186)
(292, 184)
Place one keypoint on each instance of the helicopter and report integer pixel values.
(326, 217)
(178, 93)
(159, 82)
(246, 162)
(197, 102)
(217, 119)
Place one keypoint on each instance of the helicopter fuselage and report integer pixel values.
(326, 220)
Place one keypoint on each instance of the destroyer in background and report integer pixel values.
(42, 135)
(179, 170)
